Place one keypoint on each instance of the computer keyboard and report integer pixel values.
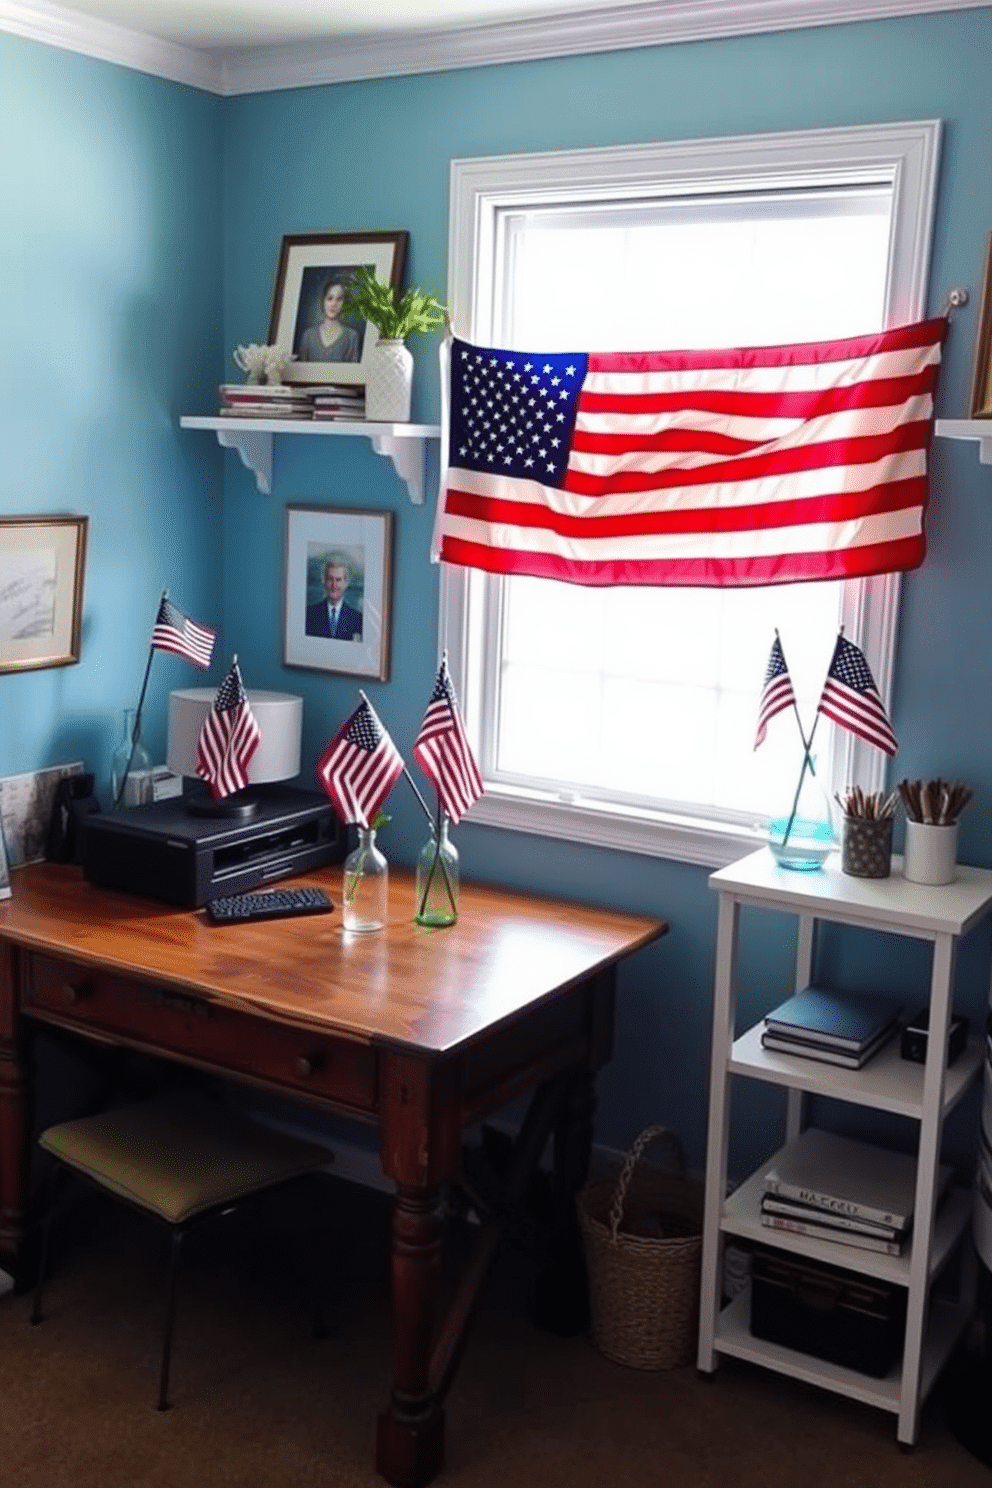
(272, 904)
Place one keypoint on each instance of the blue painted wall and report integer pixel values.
(110, 300)
(375, 155)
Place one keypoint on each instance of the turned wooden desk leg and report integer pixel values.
(410, 1440)
(13, 1121)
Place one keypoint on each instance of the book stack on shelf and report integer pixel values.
(262, 400)
(844, 1028)
(335, 400)
(852, 1193)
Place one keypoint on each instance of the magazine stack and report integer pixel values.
(834, 1188)
(844, 1028)
(338, 401)
(264, 400)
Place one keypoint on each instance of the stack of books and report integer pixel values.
(335, 400)
(844, 1028)
(260, 400)
(835, 1188)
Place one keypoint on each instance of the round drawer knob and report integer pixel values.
(71, 995)
(308, 1064)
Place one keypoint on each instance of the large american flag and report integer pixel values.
(851, 698)
(360, 766)
(229, 737)
(174, 631)
(776, 693)
(443, 752)
(761, 465)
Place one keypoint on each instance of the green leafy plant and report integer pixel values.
(393, 318)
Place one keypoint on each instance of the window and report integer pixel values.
(626, 717)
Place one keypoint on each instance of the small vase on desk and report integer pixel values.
(127, 761)
(437, 880)
(366, 885)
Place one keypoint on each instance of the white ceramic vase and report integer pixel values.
(389, 383)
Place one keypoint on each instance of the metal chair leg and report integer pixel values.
(170, 1314)
(52, 1186)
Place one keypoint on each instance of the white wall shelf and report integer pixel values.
(977, 429)
(404, 444)
(924, 1093)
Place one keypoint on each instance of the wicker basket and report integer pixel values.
(643, 1234)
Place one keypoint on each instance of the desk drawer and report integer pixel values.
(188, 1027)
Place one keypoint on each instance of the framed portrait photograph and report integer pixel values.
(981, 381)
(316, 271)
(338, 590)
(41, 591)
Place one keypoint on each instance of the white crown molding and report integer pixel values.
(57, 27)
(265, 69)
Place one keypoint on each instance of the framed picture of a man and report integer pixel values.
(316, 272)
(337, 590)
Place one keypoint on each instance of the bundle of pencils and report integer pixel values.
(874, 807)
(939, 802)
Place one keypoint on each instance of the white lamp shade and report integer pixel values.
(280, 720)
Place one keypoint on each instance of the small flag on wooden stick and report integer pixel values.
(176, 632)
(360, 766)
(443, 752)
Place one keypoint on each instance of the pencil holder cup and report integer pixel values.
(866, 847)
(931, 852)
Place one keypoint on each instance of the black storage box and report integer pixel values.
(852, 1320)
(914, 1037)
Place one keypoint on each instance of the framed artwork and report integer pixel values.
(315, 273)
(4, 866)
(41, 591)
(338, 590)
(981, 382)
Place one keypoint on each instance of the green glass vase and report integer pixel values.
(437, 880)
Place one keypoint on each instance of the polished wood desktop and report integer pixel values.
(420, 1032)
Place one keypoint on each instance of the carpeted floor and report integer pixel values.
(259, 1403)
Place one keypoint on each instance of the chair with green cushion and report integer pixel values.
(180, 1158)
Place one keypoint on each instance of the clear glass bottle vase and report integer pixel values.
(365, 895)
(801, 830)
(126, 763)
(437, 880)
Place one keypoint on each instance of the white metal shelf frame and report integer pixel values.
(404, 444)
(893, 905)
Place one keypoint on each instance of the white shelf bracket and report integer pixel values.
(407, 456)
(255, 449)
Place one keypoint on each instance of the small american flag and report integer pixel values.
(229, 737)
(176, 632)
(851, 698)
(360, 766)
(776, 693)
(443, 752)
(750, 465)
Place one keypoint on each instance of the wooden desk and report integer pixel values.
(421, 1032)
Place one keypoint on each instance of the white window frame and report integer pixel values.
(905, 155)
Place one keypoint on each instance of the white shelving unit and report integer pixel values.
(924, 1093)
(977, 429)
(404, 444)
